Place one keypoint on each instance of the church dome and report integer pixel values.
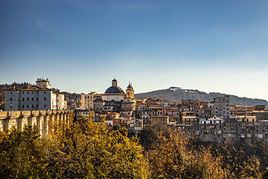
(114, 89)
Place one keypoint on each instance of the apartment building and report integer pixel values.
(86, 101)
(221, 107)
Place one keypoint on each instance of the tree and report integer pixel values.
(251, 169)
(86, 150)
(239, 162)
(148, 138)
(172, 159)
(22, 155)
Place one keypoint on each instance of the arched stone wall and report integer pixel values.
(46, 122)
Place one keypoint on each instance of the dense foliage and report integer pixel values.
(91, 150)
(87, 150)
(173, 155)
(172, 159)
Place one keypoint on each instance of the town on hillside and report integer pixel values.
(217, 121)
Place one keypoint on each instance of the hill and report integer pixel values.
(177, 93)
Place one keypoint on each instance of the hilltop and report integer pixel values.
(177, 93)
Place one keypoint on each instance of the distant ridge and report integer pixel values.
(177, 93)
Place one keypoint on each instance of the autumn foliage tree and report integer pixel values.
(100, 153)
(92, 150)
(22, 155)
(87, 150)
(238, 162)
(173, 159)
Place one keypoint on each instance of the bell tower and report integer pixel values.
(130, 92)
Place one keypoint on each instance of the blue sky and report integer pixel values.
(81, 45)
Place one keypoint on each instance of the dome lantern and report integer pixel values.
(114, 82)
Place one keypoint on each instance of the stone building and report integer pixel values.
(86, 101)
(188, 122)
(221, 107)
(210, 130)
(35, 97)
(231, 130)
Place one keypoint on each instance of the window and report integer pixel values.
(37, 106)
(32, 99)
(45, 106)
(10, 99)
(27, 106)
(10, 92)
(22, 106)
(27, 99)
(45, 98)
(32, 106)
(27, 92)
(44, 92)
(37, 99)
(22, 99)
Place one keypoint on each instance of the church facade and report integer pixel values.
(115, 102)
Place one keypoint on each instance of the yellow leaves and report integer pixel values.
(91, 150)
(111, 152)
(86, 150)
(252, 168)
(173, 159)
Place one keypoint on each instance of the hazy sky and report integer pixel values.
(81, 45)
